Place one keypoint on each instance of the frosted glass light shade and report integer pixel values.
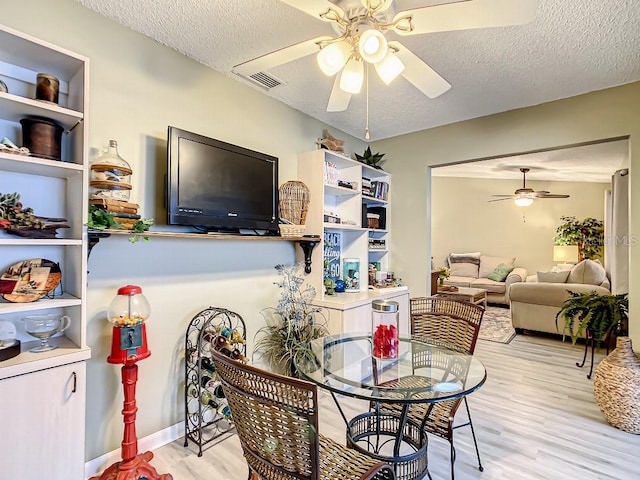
(333, 57)
(523, 201)
(389, 67)
(352, 76)
(372, 46)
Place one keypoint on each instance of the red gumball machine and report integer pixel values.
(127, 313)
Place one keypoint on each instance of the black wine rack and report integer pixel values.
(207, 415)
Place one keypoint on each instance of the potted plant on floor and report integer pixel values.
(593, 314)
(291, 325)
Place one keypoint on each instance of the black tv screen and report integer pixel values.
(217, 186)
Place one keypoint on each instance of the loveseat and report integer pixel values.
(474, 269)
(535, 303)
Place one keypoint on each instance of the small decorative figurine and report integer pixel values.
(330, 142)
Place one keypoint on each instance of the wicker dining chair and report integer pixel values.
(456, 324)
(276, 418)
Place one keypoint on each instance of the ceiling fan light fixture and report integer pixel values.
(372, 45)
(352, 76)
(333, 57)
(523, 201)
(389, 67)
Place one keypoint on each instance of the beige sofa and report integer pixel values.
(535, 303)
(474, 272)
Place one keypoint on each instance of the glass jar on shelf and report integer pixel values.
(110, 175)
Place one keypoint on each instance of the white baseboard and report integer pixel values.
(151, 442)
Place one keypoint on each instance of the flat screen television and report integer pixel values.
(215, 186)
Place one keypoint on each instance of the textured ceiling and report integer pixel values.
(572, 47)
(585, 163)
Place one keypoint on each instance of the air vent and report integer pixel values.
(264, 80)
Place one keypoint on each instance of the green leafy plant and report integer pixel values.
(371, 159)
(292, 324)
(588, 234)
(100, 219)
(597, 314)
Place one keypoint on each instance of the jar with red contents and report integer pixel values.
(384, 328)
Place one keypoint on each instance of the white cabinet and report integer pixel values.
(43, 422)
(338, 194)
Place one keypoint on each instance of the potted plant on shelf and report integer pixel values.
(588, 234)
(371, 159)
(291, 325)
(596, 315)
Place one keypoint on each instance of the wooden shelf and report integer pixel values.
(206, 236)
(27, 362)
(307, 243)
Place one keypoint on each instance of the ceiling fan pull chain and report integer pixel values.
(366, 127)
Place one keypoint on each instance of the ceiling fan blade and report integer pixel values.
(500, 199)
(550, 195)
(339, 99)
(279, 57)
(465, 15)
(421, 75)
(317, 8)
(505, 196)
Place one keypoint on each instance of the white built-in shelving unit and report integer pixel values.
(42, 395)
(349, 311)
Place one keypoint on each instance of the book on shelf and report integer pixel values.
(330, 173)
(379, 190)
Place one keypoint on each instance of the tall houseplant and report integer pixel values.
(597, 314)
(292, 324)
(588, 234)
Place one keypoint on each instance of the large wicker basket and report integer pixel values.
(294, 202)
(616, 387)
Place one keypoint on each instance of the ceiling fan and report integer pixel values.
(523, 197)
(360, 41)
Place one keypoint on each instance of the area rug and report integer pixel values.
(496, 325)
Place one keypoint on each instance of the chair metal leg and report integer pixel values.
(473, 434)
(453, 457)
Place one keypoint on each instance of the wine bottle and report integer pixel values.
(223, 346)
(219, 392)
(207, 399)
(207, 365)
(207, 382)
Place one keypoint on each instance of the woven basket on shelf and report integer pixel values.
(291, 230)
(294, 201)
(616, 387)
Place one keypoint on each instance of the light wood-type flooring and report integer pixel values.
(535, 418)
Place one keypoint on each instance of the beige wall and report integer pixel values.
(595, 116)
(137, 88)
(464, 221)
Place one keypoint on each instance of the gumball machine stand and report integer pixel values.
(127, 313)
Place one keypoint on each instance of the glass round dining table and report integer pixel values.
(424, 372)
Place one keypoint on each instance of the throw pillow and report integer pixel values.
(587, 272)
(488, 264)
(473, 257)
(553, 277)
(501, 272)
(464, 270)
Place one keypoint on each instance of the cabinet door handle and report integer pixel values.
(75, 382)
